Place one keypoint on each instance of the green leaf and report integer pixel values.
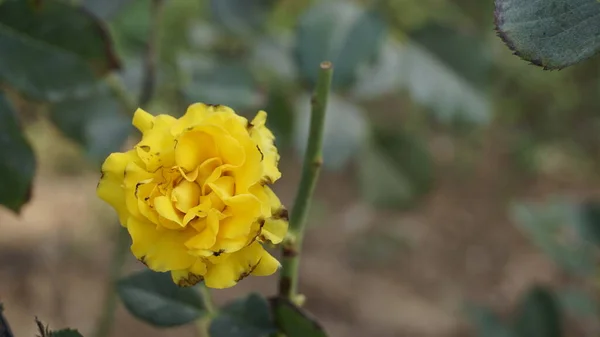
(155, 299)
(550, 225)
(579, 303)
(246, 317)
(52, 49)
(381, 77)
(488, 324)
(345, 130)
(105, 9)
(340, 32)
(241, 17)
(394, 169)
(438, 75)
(552, 33)
(590, 221)
(96, 121)
(295, 322)
(65, 333)
(539, 314)
(17, 160)
(228, 82)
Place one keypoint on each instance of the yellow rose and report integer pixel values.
(193, 195)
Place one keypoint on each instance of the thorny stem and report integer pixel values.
(115, 84)
(313, 159)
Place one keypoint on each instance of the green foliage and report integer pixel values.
(245, 317)
(295, 322)
(394, 169)
(105, 9)
(538, 315)
(65, 333)
(241, 17)
(590, 221)
(553, 33)
(155, 299)
(340, 32)
(88, 119)
(17, 161)
(551, 226)
(51, 50)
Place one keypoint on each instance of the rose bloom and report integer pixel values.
(194, 195)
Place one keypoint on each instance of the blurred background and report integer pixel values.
(457, 176)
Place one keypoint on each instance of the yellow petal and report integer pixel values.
(193, 148)
(239, 265)
(191, 276)
(265, 140)
(223, 187)
(142, 120)
(186, 195)
(160, 250)
(164, 207)
(274, 230)
(207, 238)
(195, 115)
(244, 210)
(110, 187)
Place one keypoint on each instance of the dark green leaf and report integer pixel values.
(342, 33)
(242, 17)
(52, 49)
(246, 317)
(552, 33)
(17, 160)
(229, 83)
(95, 120)
(444, 70)
(345, 130)
(155, 299)
(395, 169)
(550, 226)
(488, 324)
(105, 9)
(539, 314)
(590, 221)
(65, 333)
(295, 322)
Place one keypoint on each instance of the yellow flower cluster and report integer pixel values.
(193, 195)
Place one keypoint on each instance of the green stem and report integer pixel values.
(203, 324)
(110, 300)
(313, 159)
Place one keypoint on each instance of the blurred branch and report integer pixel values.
(4, 327)
(203, 324)
(313, 160)
(151, 56)
(107, 317)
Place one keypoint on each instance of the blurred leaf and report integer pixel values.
(65, 333)
(157, 300)
(272, 58)
(345, 130)
(241, 17)
(551, 227)
(590, 222)
(229, 83)
(431, 81)
(17, 160)
(340, 32)
(295, 322)
(488, 323)
(382, 76)
(246, 317)
(395, 169)
(539, 314)
(280, 116)
(130, 27)
(105, 9)
(53, 49)
(579, 303)
(96, 121)
(553, 33)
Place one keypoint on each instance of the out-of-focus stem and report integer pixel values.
(292, 246)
